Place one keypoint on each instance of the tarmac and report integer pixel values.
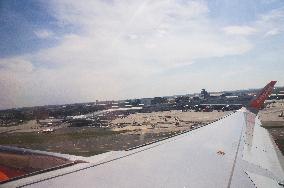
(167, 121)
(271, 120)
(270, 115)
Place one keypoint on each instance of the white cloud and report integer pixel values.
(17, 64)
(272, 32)
(271, 23)
(43, 34)
(267, 25)
(240, 30)
(160, 31)
(118, 51)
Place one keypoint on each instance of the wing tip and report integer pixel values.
(258, 102)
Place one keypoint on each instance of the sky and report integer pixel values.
(67, 51)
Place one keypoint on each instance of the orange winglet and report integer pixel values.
(262, 95)
(3, 176)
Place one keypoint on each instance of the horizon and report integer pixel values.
(68, 51)
(108, 100)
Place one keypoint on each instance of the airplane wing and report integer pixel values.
(234, 151)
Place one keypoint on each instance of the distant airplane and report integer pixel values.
(234, 151)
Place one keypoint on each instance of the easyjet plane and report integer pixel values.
(234, 151)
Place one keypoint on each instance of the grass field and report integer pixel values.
(79, 141)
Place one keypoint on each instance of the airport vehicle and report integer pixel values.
(48, 130)
(234, 151)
